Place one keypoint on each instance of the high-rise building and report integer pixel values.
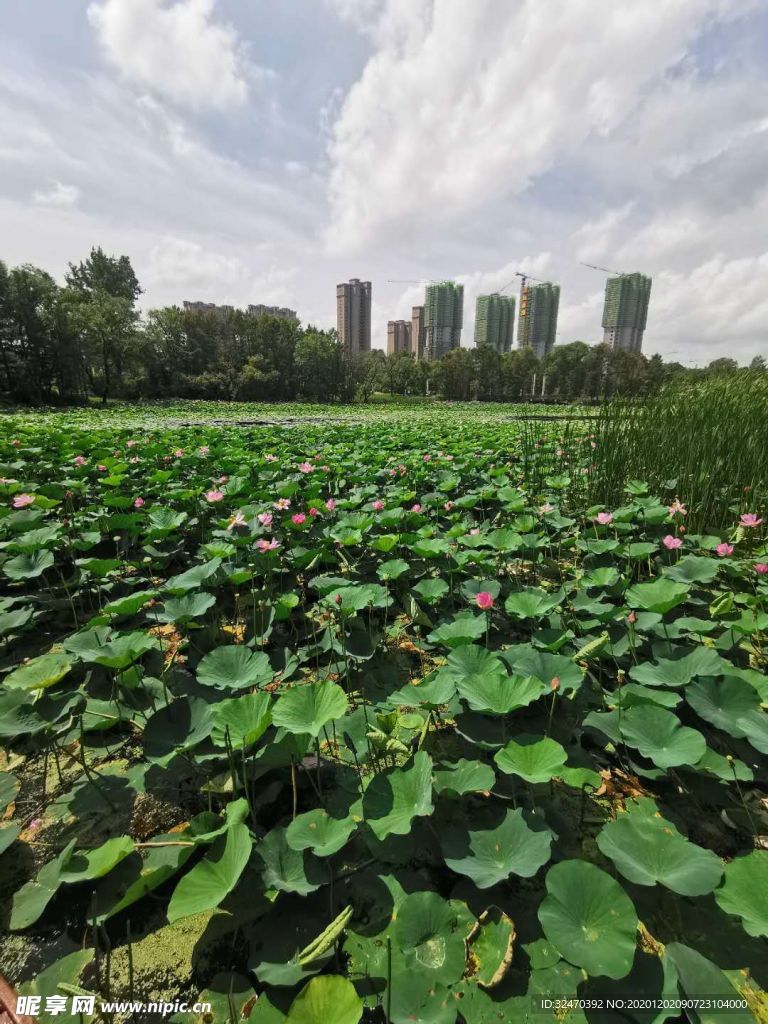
(282, 312)
(208, 307)
(398, 336)
(443, 318)
(418, 332)
(537, 319)
(353, 315)
(495, 321)
(626, 311)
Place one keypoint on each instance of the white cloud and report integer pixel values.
(464, 104)
(60, 196)
(178, 51)
(180, 263)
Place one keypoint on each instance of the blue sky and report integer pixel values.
(262, 150)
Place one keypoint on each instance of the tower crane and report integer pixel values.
(605, 270)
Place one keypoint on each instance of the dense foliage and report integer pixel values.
(60, 345)
(378, 719)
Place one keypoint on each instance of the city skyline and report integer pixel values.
(235, 161)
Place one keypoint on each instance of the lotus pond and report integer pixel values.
(375, 719)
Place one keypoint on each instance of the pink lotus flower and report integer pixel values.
(314, 512)
(392, 472)
(402, 470)
(761, 568)
(724, 549)
(265, 518)
(22, 500)
(15, 442)
(330, 504)
(178, 453)
(298, 518)
(416, 507)
(677, 508)
(131, 444)
(632, 618)
(671, 543)
(306, 467)
(102, 469)
(237, 520)
(554, 684)
(474, 532)
(282, 504)
(213, 496)
(750, 520)
(484, 600)
(378, 504)
(80, 460)
(604, 518)
(546, 507)
(135, 460)
(270, 458)
(138, 503)
(448, 506)
(427, 458)
(222, 480)
(267, 545)
(203, 449)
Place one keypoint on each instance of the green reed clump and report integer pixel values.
(704, 441)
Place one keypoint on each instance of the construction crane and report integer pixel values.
(605, 270)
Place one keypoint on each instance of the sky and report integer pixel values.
(246, 151)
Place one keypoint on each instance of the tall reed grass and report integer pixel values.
(705, 441)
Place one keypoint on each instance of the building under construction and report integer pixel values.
(495, 321)
(626, 311)
(537, 319)
(443, 318)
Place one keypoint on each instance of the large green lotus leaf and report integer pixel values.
(163, 520)
(159, 864)
(395, 797)
(647, 849)
(703, 661)
(723, 768)
(482, 680)
(244, 718)
(184, 609)
(464, 777)
(430, 932)
(659, 736)
(431, 590)
(658, 596)
(700, 979)
(723, 702)
(465, 628)
(435, 689)
(8, 835)
(127, 606)
(9, 788)
(490, 856)
(193, 578)
(418, 999)
(316, 830)
(120, 651)
(287, 869)
(693, 569)
(306, 708)
(233, 668)
(532, 603)
(214, 877)
(491, 944)
(744, 891)
(33, 897)
(589, 918)
(13, 622)
(754, 725)
(526, 661)
(535, 760)
(86, 865)
(39, 673)
(177, 727)
(28, 566)
(324, 999)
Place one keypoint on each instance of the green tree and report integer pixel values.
(101, 273)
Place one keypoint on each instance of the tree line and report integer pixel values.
(64, 344)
